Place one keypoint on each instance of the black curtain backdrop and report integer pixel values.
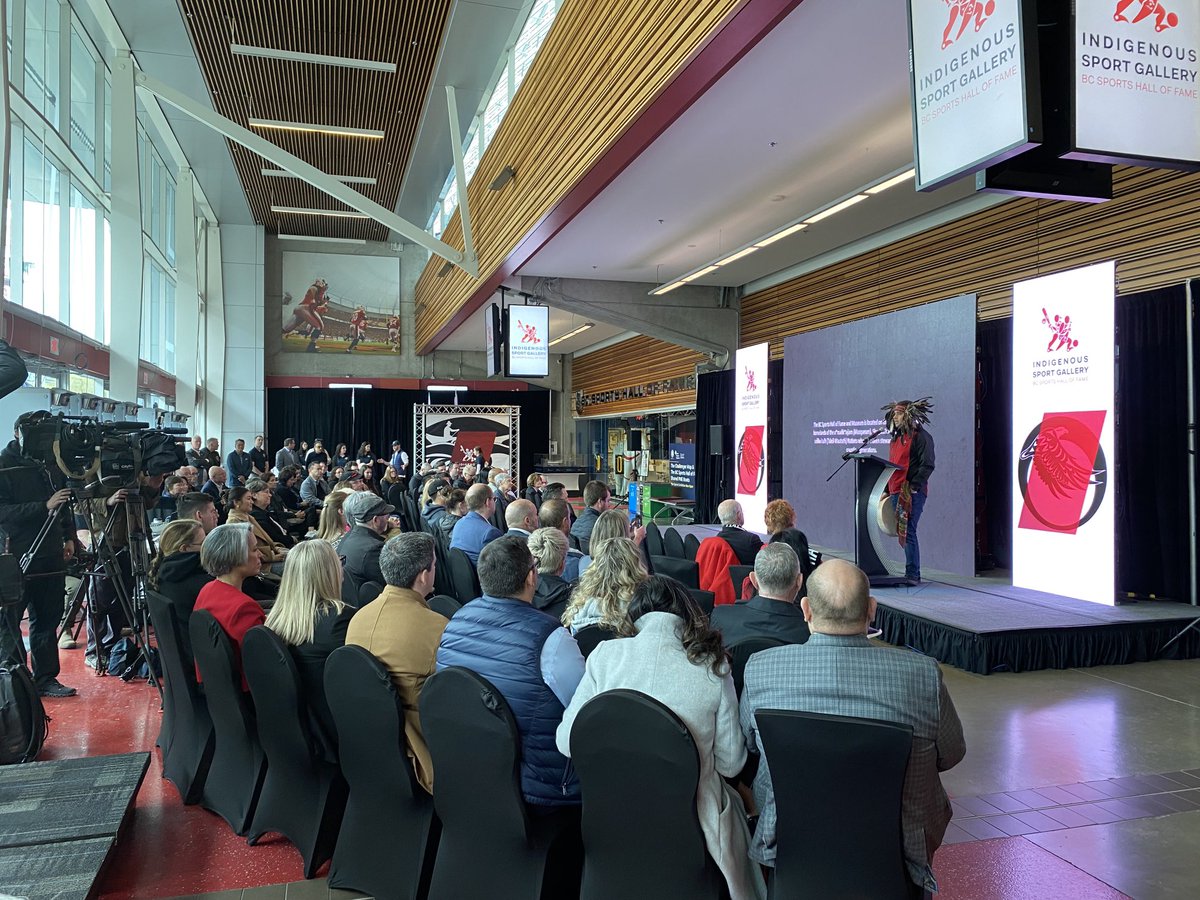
(382, 416)
(306, 414)
(993, 443)
(774, 429)
(714, 466)
(1153, 536)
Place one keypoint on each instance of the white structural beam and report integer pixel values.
(127, 262)
(460, 173)
(308, 173)
(187, 295)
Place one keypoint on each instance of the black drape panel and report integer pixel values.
(306, 414)
(774, 429)
(993, 443)
(714, 466)
(1151, 438)
(383, 416)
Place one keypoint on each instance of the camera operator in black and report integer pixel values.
(107, 616)
(27, 497)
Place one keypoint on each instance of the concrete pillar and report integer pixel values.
(187, 297)
(126, 231)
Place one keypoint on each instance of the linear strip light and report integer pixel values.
(346, 62)
(306, 211)
(891, 182)
(345, 179)
(339, 130)
(314, 237)
(746, 251)
(780, 235)
(570, 334)
(836, 208)
(658, 292)
(349, 386)
(700, 273)
(447, 387)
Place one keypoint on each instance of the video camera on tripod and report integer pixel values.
(100, 457)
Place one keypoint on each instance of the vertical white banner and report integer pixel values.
(1063, 452)
(750, 430)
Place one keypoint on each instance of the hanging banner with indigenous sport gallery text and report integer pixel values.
(973, 78)
(1063, 484)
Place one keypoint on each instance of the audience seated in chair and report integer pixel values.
(549, 549)
(602, 594)
(556, 513)
(596, 499)
(536, 667)
(434, 509)
(332, 526)
(840, 672)
(310, 617)
(230, 556)
(610, 524)
(402, 632)
(773, 612)
(679, 660)
(521, 517)
(176, 573)
(456, 509)
(367, 513)
(475, 532)
(745, 544)
(261, 498)
(241, 502)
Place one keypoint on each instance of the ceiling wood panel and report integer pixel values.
(405, 32)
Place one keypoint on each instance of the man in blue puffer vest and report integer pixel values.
(528, 656)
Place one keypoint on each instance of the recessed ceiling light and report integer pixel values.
(345, 62)
(891, 182)
(706, 270)
(346, 179)
(308, 211)
(836, 208)
(339, 130)
(780, 235)
(731, 257)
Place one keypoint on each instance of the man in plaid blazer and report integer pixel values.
(839, 672)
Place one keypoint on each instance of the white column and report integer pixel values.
(243, 285)
(125, 347)
(187, 298)
(210, 418)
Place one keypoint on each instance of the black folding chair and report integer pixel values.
(741, 652)
(490, 846)
(691, 546)
(654, 540)
(673, 544)
(627, 747)
(682, 570)
(462, 576)
(838, 835)
(706, 599)
(441, 603)
(303, 797)
(389, 833)
(737, 575)
(592, 636)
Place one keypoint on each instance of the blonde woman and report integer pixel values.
(310, 617)
(603, 593)
(332, 526)
(611, 524)
(241, 505)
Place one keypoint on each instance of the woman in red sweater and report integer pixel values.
(230, 555)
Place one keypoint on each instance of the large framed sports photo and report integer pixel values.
(336, 303)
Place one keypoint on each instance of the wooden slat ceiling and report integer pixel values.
(405, 32)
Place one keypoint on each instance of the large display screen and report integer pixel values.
(835, 381)
(750, 427)
(971, 73)
(527, 347)
(1136, 91)
(1063, 434)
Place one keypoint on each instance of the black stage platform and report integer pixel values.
(986, 625)
(60, 819)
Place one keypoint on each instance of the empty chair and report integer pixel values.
(303, 796)
(737, 577)
(490, 846)
(235, 775)
(838, 835)
(446, 605)
(632, 752)
(388, 839)
(691, 545)
(592, 635)
(654, 540)
(186, 758)
(682, 570)
(673, 544)
(462, 576)
(442, 583)
(740, 653)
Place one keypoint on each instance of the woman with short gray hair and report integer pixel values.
(230, 555)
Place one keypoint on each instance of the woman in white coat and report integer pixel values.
(679, 660)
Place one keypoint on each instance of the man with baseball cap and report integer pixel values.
(367, 514)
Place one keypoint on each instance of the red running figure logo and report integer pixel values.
(530, 333)
(1162, 19)
(963, 11)
(751, 385)
(1060, 332)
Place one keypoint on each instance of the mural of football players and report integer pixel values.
(358, 327)
(393, 331)
(310, 314)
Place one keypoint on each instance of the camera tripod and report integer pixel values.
(106, 563)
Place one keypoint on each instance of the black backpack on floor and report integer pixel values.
(23, 719)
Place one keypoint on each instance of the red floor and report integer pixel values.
(170, 849)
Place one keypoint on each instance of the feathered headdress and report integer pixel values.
(905, 416)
